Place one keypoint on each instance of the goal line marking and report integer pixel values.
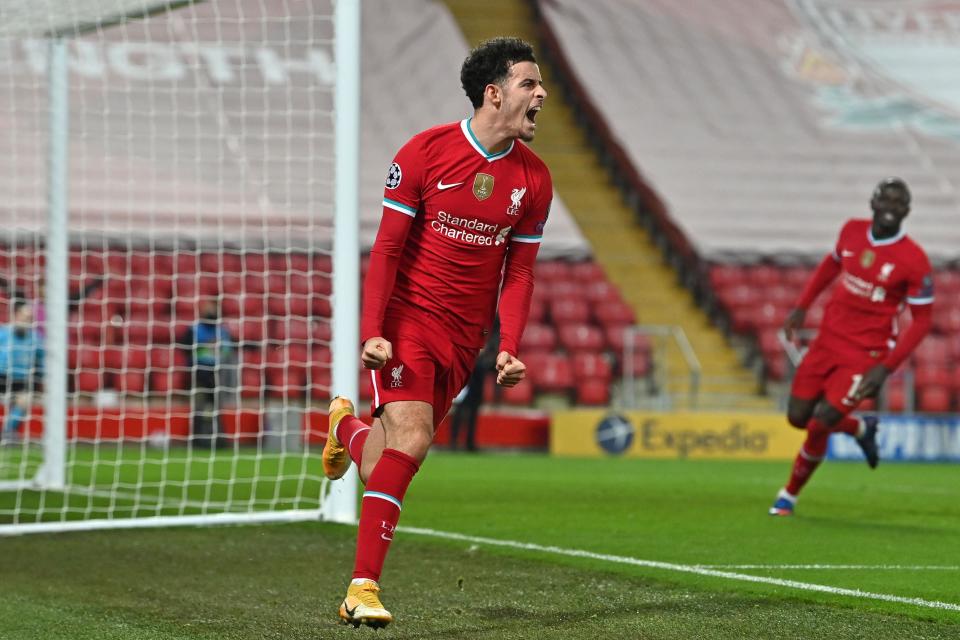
(683, 568)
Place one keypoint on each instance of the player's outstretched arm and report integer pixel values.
(376, 352)
(510, 370)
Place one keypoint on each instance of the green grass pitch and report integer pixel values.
(614, 549)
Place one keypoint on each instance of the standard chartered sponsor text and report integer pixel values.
(468, 230)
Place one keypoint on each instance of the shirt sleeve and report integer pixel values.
(402, 195)
(517, 287)
(920, 284)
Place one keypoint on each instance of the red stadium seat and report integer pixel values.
(616, 337)
(592, 366)
(934, 399)
(726, 275)
(568, 311)
(593, 392)
(551, 373)
(895, 398)
(538, 337)
(765, 276)
(581, 337)
(321, 380)
(932, 376)
(602, 291)
(614, 313)
(538, 310)
(933, 351)
(551, 270)
(286, 371)
(520, 395)
(587, 271)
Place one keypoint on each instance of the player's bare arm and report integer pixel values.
(510, 370)
(376, 352)
(794, 322)
(872, 381)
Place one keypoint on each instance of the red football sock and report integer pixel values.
(810, 456)
(848, 424)
(352, 432)
(380, 511)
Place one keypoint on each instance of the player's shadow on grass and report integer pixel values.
(874, 526)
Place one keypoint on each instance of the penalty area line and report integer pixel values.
(682, 568)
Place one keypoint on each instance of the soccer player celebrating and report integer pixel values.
(463, 214)
(880, 268)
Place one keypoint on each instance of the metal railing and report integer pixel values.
(658, 381)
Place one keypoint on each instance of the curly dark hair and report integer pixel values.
(489, 63)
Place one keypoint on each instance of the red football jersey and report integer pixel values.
(464, 208)
(877, 277)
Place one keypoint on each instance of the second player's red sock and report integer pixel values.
(352, 432)
(811, 455)
(848, 424)
(380, 511)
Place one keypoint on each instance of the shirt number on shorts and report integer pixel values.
(856, 378)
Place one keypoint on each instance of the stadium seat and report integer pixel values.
(601, 291)
(551, 270)
(593, 392)
(551, 373)
(565, 311)
(520, 395)
(538, 310)
(593, 366)
(895, 397)
(320, 381)
(616, 336)
(587, 271)
(251, 373)
(933, 351)
(614, 312)
(765, 276)
(581, 337)
(726, 275)
(932, 376)
(167, 369)
(934, 399)
(538, 337)
(286, 371)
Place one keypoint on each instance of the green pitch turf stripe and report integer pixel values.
(684, 568)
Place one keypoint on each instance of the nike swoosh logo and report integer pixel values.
(442, 186)
(846, 254)
(348, 610)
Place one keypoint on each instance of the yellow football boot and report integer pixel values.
(362, 606)
(335, 458)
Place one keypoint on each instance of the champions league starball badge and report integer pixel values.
(394, 175)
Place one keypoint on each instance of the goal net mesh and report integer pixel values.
(200, 196)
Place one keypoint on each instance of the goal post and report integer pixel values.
(193, 156)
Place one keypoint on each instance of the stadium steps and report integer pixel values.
(623, 247)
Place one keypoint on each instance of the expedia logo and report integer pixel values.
(686, 442)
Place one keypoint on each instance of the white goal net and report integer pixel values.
(177, 289)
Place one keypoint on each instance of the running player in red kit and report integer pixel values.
(463, 213)
(880, 269)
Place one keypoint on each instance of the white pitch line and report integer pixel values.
(683, 568)
(869, 567)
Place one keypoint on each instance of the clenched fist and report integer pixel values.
(376, 352)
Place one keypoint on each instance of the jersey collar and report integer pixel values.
(472, 139)
(881, 243)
